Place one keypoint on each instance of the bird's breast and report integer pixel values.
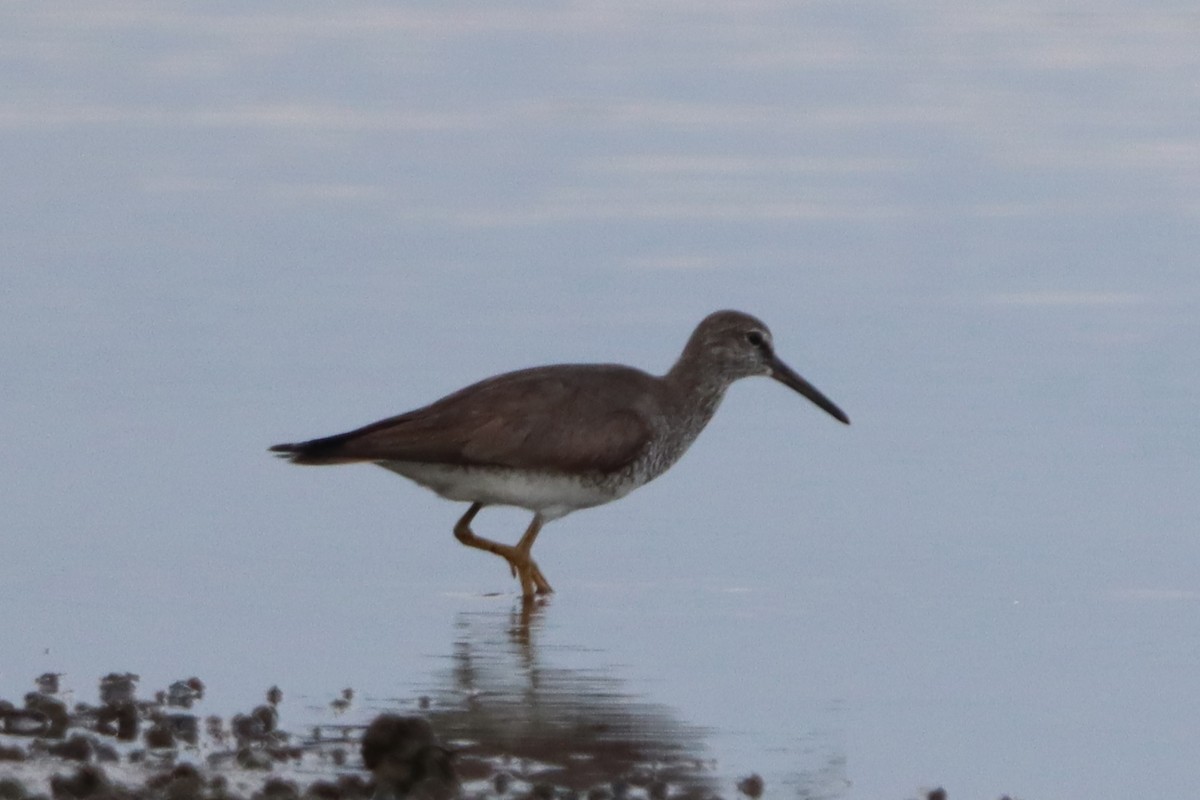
(672, 434)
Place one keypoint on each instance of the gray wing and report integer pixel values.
(579, 418)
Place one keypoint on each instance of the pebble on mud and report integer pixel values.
(120, 720)
(256, 726)
(76, 748)
(501, 781)
(752, 786)
(12, 754)
(86, 781)
(159, 736)
(118, 687)
(47, 682)
(404, 756)
(11, 789)
(183, 694)
(54, 711)
(278, 789)
(323, 790)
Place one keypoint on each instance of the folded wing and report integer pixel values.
(544, 418)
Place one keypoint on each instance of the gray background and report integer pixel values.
(973, 225)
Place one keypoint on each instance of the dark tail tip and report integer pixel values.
(297, 453)
(285, 450)
(315, 452)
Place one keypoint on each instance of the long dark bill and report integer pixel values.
(785, 375)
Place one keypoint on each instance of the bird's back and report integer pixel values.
(575, 418)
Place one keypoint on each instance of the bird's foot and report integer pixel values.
(526, 570)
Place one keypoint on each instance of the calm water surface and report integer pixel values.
(974, 227)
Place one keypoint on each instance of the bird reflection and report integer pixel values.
(509, 716)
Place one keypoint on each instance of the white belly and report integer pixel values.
(552, 496)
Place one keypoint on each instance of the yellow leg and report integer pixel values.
(525, 549)
(519, 560)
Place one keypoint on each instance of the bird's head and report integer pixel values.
(737, 345)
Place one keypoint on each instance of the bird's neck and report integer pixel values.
(697, 390)
(690, 397)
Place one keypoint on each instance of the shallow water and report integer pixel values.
(973, 227)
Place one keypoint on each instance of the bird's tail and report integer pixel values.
(315, 452)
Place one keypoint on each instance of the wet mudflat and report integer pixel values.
(494, 723)
(495, 717)
(478, 748)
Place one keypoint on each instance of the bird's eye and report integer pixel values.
(755, 338)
